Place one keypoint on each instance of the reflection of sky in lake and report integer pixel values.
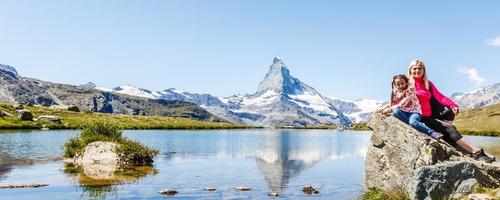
(265, 160)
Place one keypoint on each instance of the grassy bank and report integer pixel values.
(483, 121)
(75, 120)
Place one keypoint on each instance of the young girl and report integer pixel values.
(405, 106)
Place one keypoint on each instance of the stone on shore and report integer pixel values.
(24, 115)
(49, 118)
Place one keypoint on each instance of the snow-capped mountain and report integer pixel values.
(359, 110)
(280, 100)
(481, 97)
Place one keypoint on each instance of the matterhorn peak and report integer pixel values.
(279, 80)
(277, 60)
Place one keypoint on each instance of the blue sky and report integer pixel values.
(348, 49)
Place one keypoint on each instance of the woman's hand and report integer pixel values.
(455, 110)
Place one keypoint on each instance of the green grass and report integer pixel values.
(378, 194)
(131, 151)
(484, 121)
(76, 120)
(493, 192)
(360, 127)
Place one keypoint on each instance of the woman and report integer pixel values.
(430, 98)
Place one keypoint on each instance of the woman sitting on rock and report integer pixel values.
(431, 100)
(405, 106)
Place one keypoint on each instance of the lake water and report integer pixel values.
(264, 160)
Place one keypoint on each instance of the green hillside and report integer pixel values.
(482, 121)
(74, 120)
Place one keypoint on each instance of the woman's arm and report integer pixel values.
(441, 98)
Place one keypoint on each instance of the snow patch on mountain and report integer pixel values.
(359, 110)
(478, 98)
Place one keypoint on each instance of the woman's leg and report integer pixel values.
(457, 137)
(414, 121)
(466, 146)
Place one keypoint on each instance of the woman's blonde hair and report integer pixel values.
(418, 62)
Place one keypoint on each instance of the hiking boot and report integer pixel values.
(436, 135)
(480, 155)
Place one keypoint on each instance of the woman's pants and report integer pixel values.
(450, 132)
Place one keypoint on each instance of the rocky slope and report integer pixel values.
(401, 157)
(17, 89)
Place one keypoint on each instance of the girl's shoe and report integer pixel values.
(436, 135)
(480, 155)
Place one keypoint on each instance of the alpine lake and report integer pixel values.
(264, 160)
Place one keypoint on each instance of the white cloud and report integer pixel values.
(494, 41)
(473, 75)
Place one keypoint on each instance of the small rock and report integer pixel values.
(309, 190)
(24, 114)
(6, 114)
(44, 129)
(73, 109)
(18, 106)
(273, 194)
(168, 191)
(23, 185)
(210, 189)
(242, 188)
(49, 118)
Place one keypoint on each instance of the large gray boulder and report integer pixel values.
(402, 157)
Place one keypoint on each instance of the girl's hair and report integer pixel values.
(418, 62)
(399, 76)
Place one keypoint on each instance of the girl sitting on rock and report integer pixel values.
(405, 106)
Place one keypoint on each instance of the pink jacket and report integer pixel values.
(424, 97)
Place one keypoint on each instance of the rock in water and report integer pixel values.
(400, 156)
(242, 188)
(308, 189)
(98, 160)
(168, 192)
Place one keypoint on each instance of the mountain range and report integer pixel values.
(478, 98)
(280, 100)
(17, 89)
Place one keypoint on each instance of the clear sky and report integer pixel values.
(348, 49)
